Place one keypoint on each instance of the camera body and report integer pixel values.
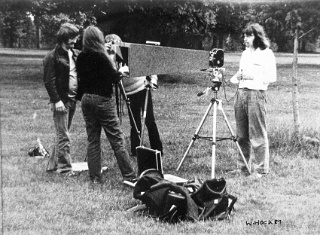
(216, 72)
(216, 58)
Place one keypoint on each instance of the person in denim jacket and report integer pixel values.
(60, 79)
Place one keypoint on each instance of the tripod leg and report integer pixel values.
(238, 146)
(120, 84)
(144, 115)
(195, 135)
(214, 140)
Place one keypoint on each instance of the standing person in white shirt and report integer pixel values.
(257, 69)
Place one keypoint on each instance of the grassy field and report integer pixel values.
(36, 202)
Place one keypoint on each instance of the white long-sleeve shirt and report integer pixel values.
(258, 64)
(134, 85)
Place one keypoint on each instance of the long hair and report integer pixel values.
(93, 40)
(66, 32)
(260, 38)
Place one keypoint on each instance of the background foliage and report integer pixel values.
(201, 24)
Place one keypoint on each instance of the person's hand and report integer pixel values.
(239, 75)
(59, 106)
(51, 106)
(244, 75)
(124, 69)
(108, 46)
(153, 86)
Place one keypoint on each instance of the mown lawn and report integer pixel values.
(35, 202)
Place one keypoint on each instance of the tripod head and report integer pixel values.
(149, 84)
(216, 76)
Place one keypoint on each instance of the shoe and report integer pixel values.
(104, 169)
(130, 182)
(256, 175)
(63, 170)
(96, 181)
(71, 174)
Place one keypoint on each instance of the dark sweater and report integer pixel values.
(96, 74)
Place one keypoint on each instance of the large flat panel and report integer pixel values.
(146, 60)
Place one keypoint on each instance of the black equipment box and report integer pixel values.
(148, 159)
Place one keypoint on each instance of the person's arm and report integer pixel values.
(79, 66)
(154, 79)
(270, 68)
(50, 83)
(236, 78)
(239, 74)
(110, 71)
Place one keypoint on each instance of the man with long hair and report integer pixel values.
(97, 74)
(60, 79)
(257, 70)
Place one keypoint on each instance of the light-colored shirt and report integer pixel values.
(73, 81)
(134, 85)
(258, 64)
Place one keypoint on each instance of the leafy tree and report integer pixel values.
(231, 18)
(277, 17)
(49, 15)
(301, 22)
(16, 23)
(173, 23)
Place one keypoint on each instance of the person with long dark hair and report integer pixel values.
(97, 74)
(256, 71)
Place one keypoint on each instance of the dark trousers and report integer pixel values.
(100, 112)
(137, 106)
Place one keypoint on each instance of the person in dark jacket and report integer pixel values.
(97, 74)
(60, 79)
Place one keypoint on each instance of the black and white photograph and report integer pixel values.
(159, 117)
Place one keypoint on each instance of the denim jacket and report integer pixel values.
(56, 73)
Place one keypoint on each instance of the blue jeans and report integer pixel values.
(100, 112)
(250, 114)
(137, 106)
(60, 158)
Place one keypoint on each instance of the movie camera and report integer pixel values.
(215, 72)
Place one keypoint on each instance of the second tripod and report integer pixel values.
(217, 105)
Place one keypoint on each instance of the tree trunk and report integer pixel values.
(303, 46)
(295, 80)
(38, 30)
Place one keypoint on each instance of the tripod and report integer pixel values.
(217, 105)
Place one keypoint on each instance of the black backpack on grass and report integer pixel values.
(192, 201)
(213, 200)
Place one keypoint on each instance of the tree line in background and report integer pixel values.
(201, 24)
